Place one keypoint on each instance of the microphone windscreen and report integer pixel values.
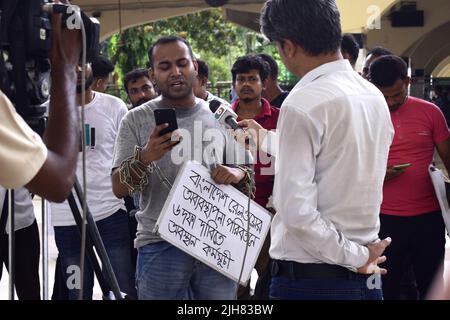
(214, 105)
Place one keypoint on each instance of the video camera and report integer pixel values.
(25, 41)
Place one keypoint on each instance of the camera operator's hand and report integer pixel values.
(56, 176)
(66, 44)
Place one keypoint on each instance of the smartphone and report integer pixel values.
(401, 166)
(166, 115)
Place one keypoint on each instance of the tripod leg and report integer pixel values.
(11, 244)
(89, 247)
(8, 213)
(44, 245)
(99, 247)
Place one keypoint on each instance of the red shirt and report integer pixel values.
(419, 126)
(267, 118)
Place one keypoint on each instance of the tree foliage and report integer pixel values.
(213, 39)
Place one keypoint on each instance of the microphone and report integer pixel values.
(224, 114)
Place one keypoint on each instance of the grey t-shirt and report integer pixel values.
(204, 140)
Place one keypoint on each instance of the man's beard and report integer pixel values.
(398, 105)
(180, 95)
(88, 83)
(165, 90)
(247, 100)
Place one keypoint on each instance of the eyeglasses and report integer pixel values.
(145, 89)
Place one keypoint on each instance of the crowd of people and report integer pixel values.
(351, 197)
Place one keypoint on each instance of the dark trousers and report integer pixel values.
(114, 231)
(418, 243)
(26, 261)
(263, 266)
(297, 281)
(131, 206)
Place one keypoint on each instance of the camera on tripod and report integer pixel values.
(25, 41)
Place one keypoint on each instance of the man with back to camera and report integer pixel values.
(47, 171)
(350, 48)
(138, 87)
(163, 271)
(410, 211)
(334, 134)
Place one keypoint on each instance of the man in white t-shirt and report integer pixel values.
(103, 114)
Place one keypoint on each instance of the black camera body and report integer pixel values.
(25, 41)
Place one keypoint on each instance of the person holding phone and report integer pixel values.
(395, 170)
(410, 211)
(144, 146)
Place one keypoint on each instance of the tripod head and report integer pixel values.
(25, 40)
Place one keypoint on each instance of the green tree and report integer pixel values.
(213, 39)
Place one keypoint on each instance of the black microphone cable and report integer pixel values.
(249, 184)
(83, 149)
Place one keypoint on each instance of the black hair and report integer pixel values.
(387, 70)
(166, 40)
(250, 62)
(350, 46)
(203, 70)
(379, 52)
(314, 25)
(101, 67)
(272, 65)
(133, 76)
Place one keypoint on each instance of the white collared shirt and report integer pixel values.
(334, 135)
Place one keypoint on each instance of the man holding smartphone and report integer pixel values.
(410, 211)
(163, 271)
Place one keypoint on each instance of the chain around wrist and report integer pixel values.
(138, 159)
(138, 156)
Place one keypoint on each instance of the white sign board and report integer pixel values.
(210, 222)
